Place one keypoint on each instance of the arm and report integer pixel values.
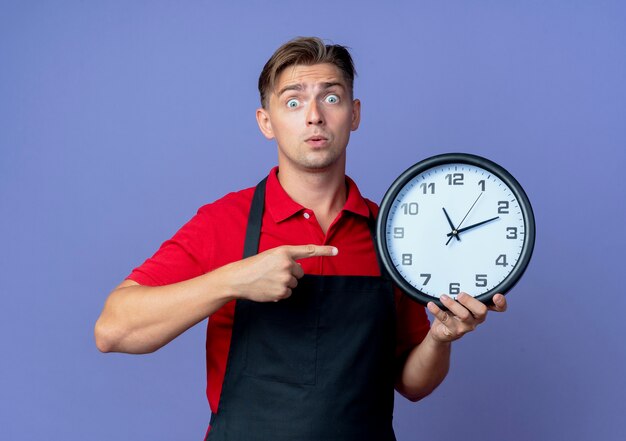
(140, 319)
(427, 364)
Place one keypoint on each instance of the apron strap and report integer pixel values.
(255, 219)
(371, 223)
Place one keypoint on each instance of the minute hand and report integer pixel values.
(469, 227)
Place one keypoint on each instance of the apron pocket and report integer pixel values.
(282, 340)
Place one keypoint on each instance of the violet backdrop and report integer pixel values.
(119, 119)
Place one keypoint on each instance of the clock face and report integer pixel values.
(455, 223)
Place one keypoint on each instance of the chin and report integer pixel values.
(321, 160)
(319, 165)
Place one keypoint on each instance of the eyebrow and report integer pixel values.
(300, 87)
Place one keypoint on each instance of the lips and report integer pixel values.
(317, 141)
(316, 138)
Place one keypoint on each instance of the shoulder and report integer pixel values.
(216, 233)
(373, 206)
(231, 204)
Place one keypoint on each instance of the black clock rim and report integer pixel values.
(462, 158)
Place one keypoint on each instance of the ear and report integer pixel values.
(264, 122)
(356, 115)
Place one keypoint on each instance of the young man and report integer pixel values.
(305, 339)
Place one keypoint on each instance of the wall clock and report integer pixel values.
(455, 222)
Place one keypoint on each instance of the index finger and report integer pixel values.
(302, 251)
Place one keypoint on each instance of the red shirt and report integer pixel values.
(214, 237)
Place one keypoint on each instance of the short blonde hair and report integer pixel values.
(306, 51)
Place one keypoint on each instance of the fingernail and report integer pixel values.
(335, 251)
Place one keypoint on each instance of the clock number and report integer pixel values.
(407, 259)
(481, 280)
(411, 208)
(503, 207)
(398, 233)
(455, 179)
(501, 260)
(428, 187)
(426, 278)
(455, 288)
(512, 233)
(482, 185)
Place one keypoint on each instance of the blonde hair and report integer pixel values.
(306, 51)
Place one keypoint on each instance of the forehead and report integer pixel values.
(309, 76)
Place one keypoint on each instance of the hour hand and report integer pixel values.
(454, 232)
(469, 227)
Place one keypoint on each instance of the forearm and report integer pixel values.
(141, 319)
(424, 369)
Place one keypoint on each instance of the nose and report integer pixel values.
(314, 115)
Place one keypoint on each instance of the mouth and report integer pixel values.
(316, 140)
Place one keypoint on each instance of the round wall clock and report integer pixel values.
(455, 223)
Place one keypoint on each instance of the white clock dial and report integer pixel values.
(455, 227)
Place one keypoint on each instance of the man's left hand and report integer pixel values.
(463, 315)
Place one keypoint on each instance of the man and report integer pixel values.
(305, 340)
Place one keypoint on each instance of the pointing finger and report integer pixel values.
(302, 251)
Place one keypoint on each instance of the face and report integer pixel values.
(310, 114)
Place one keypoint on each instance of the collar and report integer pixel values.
(281, 206)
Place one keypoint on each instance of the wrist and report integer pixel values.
(220, 282)
(432, 341)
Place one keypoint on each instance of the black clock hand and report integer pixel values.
(455, 232)
(450, 235)
(451, 225)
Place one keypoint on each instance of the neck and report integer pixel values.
(323, 191)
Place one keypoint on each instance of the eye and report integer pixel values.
(332, 99)
(293, 103)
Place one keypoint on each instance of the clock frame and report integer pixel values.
(382, 235)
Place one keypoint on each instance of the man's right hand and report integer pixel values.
(140, 319)
(272, 274)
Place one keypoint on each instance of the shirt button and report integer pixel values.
(307, 215)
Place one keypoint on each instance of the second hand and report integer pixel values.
(468, 211)
(466, 214)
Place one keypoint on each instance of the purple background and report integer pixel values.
(119, 119)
